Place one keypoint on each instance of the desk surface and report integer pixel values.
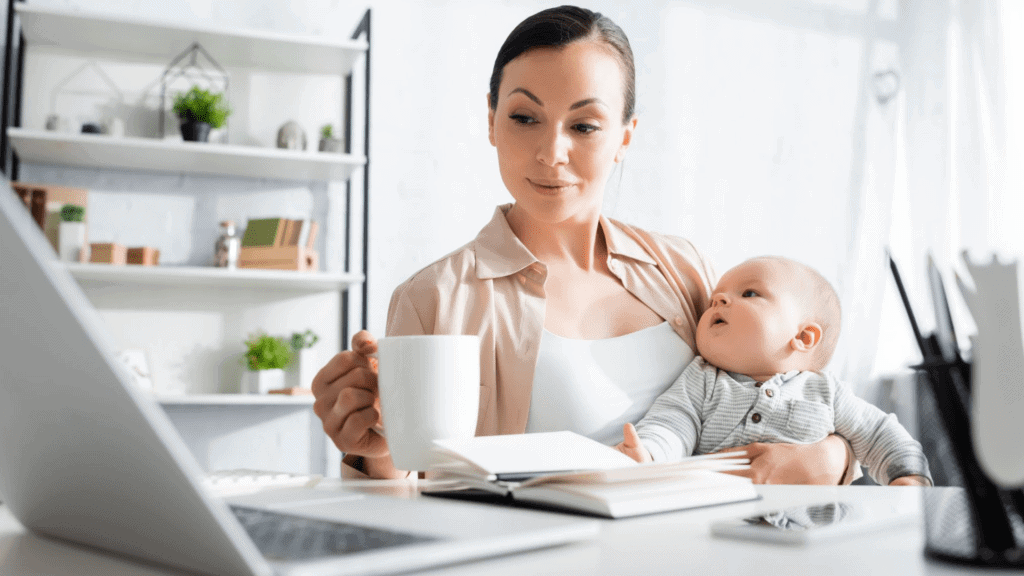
(671, 543)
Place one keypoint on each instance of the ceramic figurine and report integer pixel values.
(291, 136)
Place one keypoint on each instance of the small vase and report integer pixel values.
(303, 368)
(262, 381)
(71, 241)
(192, 131)
(331, 145)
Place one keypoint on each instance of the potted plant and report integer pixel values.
(265, 359)
(71, 235)
(304, 366)
(199, 111)
(328, 143)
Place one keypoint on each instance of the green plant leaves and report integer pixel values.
(202, 106)
(267, 352)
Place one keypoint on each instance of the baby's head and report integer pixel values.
(770, 315)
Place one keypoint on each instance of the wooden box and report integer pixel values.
(143, 256)
(279, 258)
(108, 253)
(45, 201)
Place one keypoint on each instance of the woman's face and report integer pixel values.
(558, 129)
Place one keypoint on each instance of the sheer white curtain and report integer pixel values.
(955, 195)
(770, 128)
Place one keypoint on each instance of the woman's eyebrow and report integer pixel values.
(580, 104)
(587, 102)
(528, 94)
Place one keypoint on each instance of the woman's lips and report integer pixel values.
(550, 187)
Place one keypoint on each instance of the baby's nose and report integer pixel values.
(719, 299)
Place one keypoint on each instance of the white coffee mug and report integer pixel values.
(429, 390)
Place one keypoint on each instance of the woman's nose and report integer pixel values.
(554, 149)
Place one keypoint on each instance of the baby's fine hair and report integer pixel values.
(825, 308)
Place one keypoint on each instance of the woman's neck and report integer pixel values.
(574, 241)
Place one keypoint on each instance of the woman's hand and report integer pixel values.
(823, 462)
(349, 406)
(631, 445)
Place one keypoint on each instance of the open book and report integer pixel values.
(571, 472)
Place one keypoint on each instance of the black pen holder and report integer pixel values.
(976, 522)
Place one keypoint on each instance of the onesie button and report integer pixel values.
(769, 393)
(755, 418)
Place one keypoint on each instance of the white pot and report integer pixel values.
(262, 381)
(303, 368)
(71, 241)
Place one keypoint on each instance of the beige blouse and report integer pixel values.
(494, 287)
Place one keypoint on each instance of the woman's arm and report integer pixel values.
(824, 462)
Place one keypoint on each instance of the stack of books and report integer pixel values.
(279, 244)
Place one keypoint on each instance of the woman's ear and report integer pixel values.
(627, 137)
(490, 120)
(807, 338)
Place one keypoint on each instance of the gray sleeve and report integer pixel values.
(672, 426)
(878, 440)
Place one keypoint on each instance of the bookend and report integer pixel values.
(981, 524)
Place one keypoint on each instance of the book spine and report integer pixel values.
(38, 207)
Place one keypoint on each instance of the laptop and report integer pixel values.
(87, 457)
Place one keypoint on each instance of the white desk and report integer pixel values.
(673, 543)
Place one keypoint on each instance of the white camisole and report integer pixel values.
(593, 387)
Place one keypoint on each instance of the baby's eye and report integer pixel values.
(750, 294)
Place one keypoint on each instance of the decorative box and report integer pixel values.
(144, 256)
(108, 253)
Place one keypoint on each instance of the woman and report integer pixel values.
(583, 320)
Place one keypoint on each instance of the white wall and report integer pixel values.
(749, 138)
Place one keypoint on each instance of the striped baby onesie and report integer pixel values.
(707, 410)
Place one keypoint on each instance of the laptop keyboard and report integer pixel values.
(284, 537)
(244, 481)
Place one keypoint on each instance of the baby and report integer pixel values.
(771, 328)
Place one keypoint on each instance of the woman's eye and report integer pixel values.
(585, 128)
(749, 294)
(522, 119)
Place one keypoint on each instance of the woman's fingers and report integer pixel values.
(358, 428)
(346, 398)
(364, 343)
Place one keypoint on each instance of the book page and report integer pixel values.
(543, 452)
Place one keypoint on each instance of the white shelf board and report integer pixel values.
(193, 276)
(131, 38)
(234, 400)
(100, 151)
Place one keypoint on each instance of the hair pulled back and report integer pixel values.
(557, 27)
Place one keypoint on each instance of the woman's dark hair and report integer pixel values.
(557, 27)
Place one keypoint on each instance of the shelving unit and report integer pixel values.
(150, 154)
(195, 276)
(127, 39)
(234, 400)
(113, 35)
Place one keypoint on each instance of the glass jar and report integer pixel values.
(228, 244)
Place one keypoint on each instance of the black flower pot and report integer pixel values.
(193, 131)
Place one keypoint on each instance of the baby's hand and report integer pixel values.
(912, 480)
(632, 446)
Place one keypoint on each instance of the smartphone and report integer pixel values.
(804, 524)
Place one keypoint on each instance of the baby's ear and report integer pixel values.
(808, 337)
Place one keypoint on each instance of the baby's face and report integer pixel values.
(755, 313)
